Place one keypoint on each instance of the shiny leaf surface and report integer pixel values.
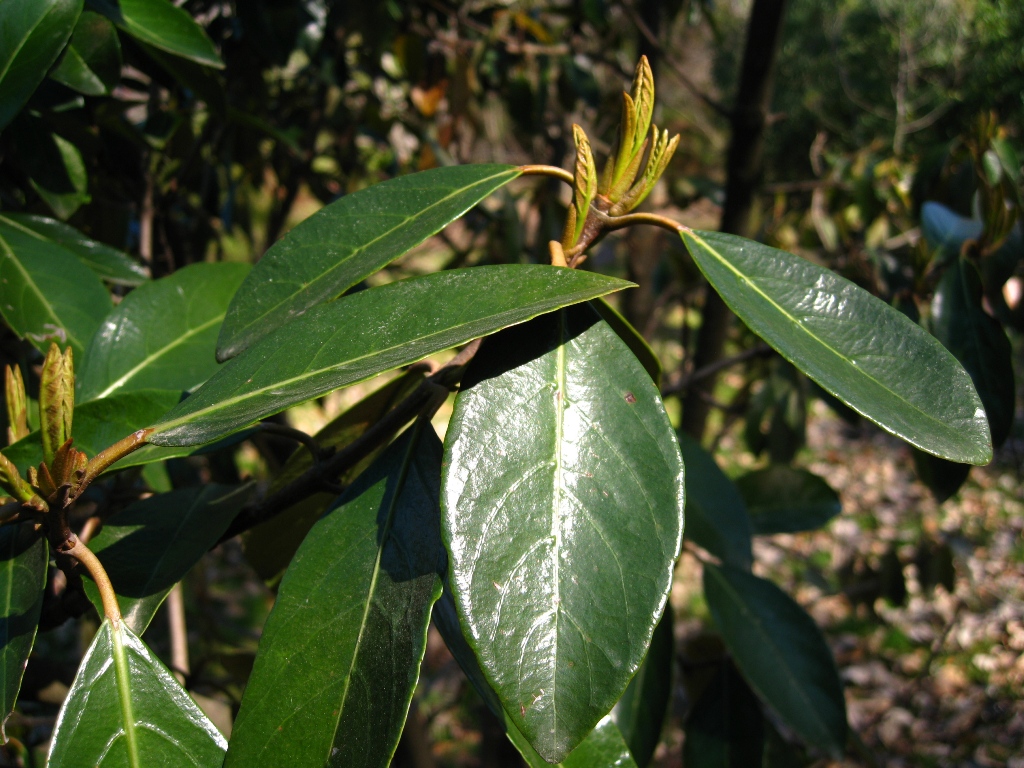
(92, 59)
(560, 547)
(149, 546)
(23, 559)
(349, 240)
(109, 264)
(341, 650)
(369, 332)
(32, 35)
(633, 339)
(978, 341)
(163, 334)
(716, 515)
(162, 25)
(781, 653)
(46, 294)
(855, 346)
(783, 499)
(125, 709)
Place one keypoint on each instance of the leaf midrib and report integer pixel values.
(556, 517)
(366, 246)
(21, 43)
(122, 681)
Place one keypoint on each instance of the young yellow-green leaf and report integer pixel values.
(126, 710)
(163, 334)
(340, 654)
(46, 294)
(349, 240)
(783, 499)
(369, 332)
(149, 546)
(32, 35)
(725, 728)
(162, 25)
(869, 355)
(110, 265)
(716, 516)
(781, 652)
(23, 559)
(560, 546)
(92, 59)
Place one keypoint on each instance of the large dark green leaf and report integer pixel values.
(716, 516)
(100, 424)
(46, 294)
(349, 240)
(163, 334)
(92, 59)
(369, 332)
(341, 651)
(148, 547)
(725, 728)
(632, 337)
(32, 35)
(561, 545)
(125, 710)
(783, 499)
(977, 340)
(781, 652)
(162, 25)
(110, 264)
(23, 557)
(855, 346)
(640, 713)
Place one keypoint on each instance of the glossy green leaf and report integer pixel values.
(32, 35)
(163, 334)
(349, 240)
(149, 546)
(855, 346)
(270, 547)
(725, 728)
(716, 515)
(111, 265)
(560, 547)
(369, 332)
(631, 336)
(125, 709)
(92, 60)
(100, 424)
(162, 25)
(23, 559)
(341, 651)
(781, 653)
(783, 499)
(978, 341)
(946, 231)
(640, 713)
(46, 294)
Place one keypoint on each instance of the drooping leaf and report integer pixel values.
(978, 341)
(149, 546)
(46, 294)
(349, 240)
(946, 231)
(369, 332)
(125, 709)
(163, 334)
(100, 424)
(855, 346)
(269, 547)
(725, 728)
(781, 653)
(341, 650)
(784, 499)
(943, 478)
(23, 559)
(640, 713)
(32, 35)
(716, 515)
(560, 547)
(632, 337)
(92, 59)
(162, 25)
(109, 264)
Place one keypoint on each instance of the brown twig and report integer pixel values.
(178, 632)
(91, 563)
(761, 350)
(547, 170)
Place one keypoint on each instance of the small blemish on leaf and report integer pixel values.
(630, 398)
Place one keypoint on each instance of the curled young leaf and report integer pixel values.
(56, 400)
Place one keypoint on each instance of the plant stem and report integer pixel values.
(548, 170)
(91, 563)
(612, 223)
(712, 368)
(104, 459)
